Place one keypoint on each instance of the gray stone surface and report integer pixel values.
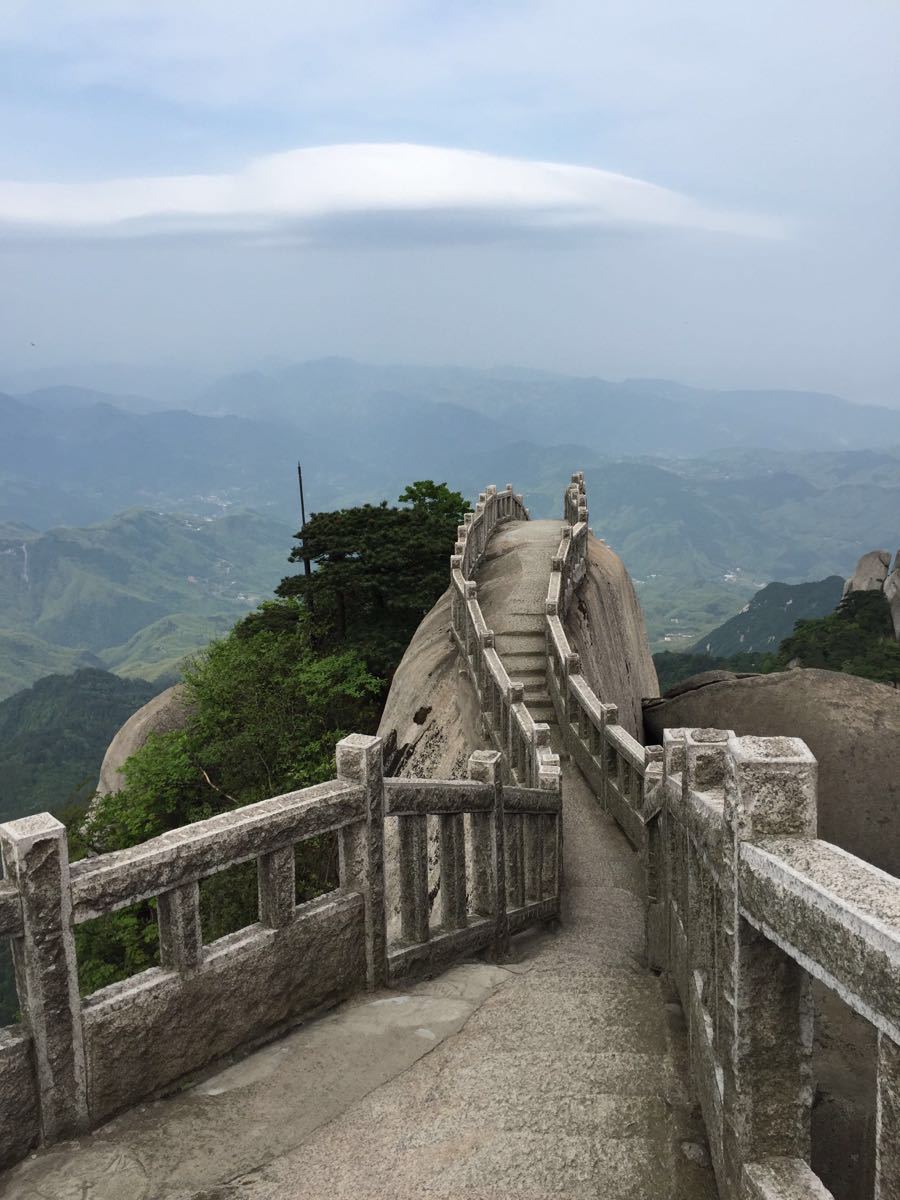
(145, 1034)
(165, 712)
(892, 594)
(851, 725)
(263, 1105)
(870, 574)
(19, 1117)
(570, 1080)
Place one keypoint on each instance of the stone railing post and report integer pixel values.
(887, 1120)
(36, 858)
(765, 1003)
(180, 938)
(361, 846)
(654, 866)
(489, 852)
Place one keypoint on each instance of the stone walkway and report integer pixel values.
(563, 1073)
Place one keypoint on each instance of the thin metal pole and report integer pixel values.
(307, 566)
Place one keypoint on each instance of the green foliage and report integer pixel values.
(53, 737)
(266, 711)
(857, 638)
(376, 571)
(134, 594)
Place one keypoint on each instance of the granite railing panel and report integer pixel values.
(612, 761)
(523, 743)
(74, 1062)
(746, 906)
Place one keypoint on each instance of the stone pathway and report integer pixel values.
(563, 1073)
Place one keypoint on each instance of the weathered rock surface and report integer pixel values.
(870, 574)
(852, 726)
(165, 712)
(606, 627)
(430, 719)
(892, 594)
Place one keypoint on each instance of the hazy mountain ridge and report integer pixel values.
(699, 516)
(134, 593)
(763, 624)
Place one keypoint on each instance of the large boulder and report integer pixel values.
(165, 712)
(892, 594)
(605, 625)
(852, 726)
(870, 574)
(430, 721)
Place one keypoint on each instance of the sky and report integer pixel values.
(704, 191)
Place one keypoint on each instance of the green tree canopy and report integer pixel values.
(377, 569)
(858, 638)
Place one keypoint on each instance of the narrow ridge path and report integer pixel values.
(571, 1079)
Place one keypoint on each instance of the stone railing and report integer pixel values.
(523, 742)
(613, 762)
(74, 1062)
(744, 907)
(747, 906)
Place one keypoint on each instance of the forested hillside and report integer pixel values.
(134, 594)
(53, 737)
(763, 624)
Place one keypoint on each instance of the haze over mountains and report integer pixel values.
(707, 495)
(133, 594)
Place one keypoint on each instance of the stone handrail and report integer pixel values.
(75, 1062)
(746, 906)
(611, 760)
(523, 742)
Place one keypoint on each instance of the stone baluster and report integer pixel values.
(887, 1120)
(36, 859)
(180, 934)
(607, 753)
(361, 846)
(412, 831)
(489, 851)
(766, 1011)
(276, 874)
(452, 856)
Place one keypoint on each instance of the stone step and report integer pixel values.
(522, 661)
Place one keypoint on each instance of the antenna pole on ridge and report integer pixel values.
(307, 566)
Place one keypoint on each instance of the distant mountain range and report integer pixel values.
(53, 737)
(133, 594)
(704, 494)
(763, 624)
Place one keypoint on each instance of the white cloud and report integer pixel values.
(298, 191)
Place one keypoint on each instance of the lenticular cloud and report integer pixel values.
(297, 192)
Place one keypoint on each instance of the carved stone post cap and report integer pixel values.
(551, 608)
(455, 562)
(610, 714)
(468, 518)
(541, 733)
(471, 589)
(23, 833)
(484, 766)
(770, 788)
(673, 751)
(491, 489)
(706, 758)
(516, 693)
(357, 755)
(509, 487)
(461, 531)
